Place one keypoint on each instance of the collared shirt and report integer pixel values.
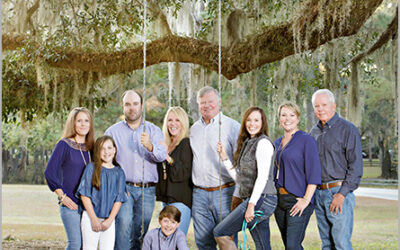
(203, 140)
(130, 151)
(156, 240)
(339, 147)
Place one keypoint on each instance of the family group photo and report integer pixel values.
(200, 124)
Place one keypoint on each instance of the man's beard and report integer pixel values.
(135, 118)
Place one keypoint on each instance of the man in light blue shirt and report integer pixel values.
(207, 198)
(131, 140)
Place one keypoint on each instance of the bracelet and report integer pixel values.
(171, 161)
(306, 199)
(60, 200)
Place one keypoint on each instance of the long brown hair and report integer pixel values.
(97, 159)
(69, 128)
(244, 134)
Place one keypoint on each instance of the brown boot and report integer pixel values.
(225, 243)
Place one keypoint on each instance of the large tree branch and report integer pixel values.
(383, 39)
(275, 43)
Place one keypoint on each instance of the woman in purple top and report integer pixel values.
(65, 168)
(297, 174)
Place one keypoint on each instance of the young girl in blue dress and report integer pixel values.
(102, 191)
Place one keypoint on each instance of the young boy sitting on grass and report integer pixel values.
(168, 236)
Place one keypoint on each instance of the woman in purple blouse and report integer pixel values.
(297, 174)
(65, 168)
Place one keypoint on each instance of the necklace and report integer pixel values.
(83, 157)
(164, 166)
(282, 147)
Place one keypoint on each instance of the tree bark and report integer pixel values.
(354, 108)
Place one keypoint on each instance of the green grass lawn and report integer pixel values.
(30, 213)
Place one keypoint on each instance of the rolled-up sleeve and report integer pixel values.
(159, 153)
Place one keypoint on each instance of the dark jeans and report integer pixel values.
(261, 234)
(292, 228)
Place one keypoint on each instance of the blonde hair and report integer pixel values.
(183, 119)
(69, 128)
(290, 105)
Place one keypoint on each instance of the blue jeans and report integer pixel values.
(72, 225)
(292, 228)
(335, 230)
(234, 221)
(128, 223)
(206, 214)
(185, 215)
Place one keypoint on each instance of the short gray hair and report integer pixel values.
(323, 92)
(205, 90)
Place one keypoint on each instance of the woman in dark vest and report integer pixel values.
(252, 171)
(298, 172)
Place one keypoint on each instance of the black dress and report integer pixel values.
(177, 185)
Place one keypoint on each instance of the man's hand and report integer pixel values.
(337, 203)
(235, 202)
(146, 142)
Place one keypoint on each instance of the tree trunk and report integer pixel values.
(253, 88)
(6, 157)
(354, 108)
(386, 162)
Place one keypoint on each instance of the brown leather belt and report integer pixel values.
(330, 185)
(282, 190)
(211, 189)
(145, 185)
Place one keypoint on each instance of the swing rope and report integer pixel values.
(144, 103)
(220, 107)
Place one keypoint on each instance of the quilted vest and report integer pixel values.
(247, 165)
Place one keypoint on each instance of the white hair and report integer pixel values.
(323, 92)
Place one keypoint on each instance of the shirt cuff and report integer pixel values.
(344, 190)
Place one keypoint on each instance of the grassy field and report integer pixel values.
(30, 220)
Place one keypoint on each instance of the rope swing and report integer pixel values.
(144, 101)
(220, 107)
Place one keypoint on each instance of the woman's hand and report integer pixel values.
(96, 224)
(249, 215)
(221, 151)
(106, 224)
(299, 207)
(69, 203)
(169, 159)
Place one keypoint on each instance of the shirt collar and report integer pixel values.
(126, 124)
(212, 119)
(163, 237)
(330, 122)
